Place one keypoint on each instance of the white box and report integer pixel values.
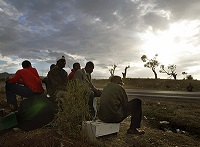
(98, 128)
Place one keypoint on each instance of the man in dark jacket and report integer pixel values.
(57, 78)
(115, 107)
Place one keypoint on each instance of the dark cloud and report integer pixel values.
(105, 32)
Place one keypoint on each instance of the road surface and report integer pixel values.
(163, 94)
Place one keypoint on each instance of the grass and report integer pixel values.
(182, 115)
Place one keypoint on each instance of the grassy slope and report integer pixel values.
(158, 84)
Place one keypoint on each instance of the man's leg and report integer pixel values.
(15, 89)
(134, 109)
(90, 103)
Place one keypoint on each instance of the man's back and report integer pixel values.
(56, 80)
(28, 76)
(112, 101)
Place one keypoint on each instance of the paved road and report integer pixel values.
(156, 94)
(163, 94)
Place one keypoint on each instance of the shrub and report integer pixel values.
(72, 109)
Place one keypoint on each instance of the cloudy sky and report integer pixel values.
(106, 32)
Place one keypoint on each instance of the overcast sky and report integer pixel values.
(106, 32)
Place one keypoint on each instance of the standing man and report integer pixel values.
(84, 76)
(26, 83)
(57, 77)
(115, 107)
(76, 66)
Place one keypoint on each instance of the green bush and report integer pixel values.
(72, 109)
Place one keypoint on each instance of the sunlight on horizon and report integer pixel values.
(171, 43)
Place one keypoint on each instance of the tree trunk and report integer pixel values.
(156, 77)
(174, 76)
(124, 75)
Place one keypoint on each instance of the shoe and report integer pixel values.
(13, 107)
(135, 131)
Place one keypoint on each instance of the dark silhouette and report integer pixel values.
(189, 87)
(170, 70)
(125, 72)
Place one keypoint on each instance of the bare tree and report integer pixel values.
(151, 63)
(169, 71)
(112, 70)
(125, 71)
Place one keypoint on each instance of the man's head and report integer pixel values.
(61, 62)
(52, 66)
(117, 80)
(76, 66)
(89, 67)
(26, 64)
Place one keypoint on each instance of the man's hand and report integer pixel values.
(97, 92)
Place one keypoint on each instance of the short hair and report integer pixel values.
(89, 64)
(52, 66)
(76, 64)
(26, 64)
(113, 78)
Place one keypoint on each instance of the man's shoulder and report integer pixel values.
(80, 71)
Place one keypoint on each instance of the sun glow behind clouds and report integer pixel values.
(171, 43)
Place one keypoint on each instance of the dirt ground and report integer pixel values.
(47, 136)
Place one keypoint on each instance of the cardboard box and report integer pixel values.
(98, 128)
(8, 121)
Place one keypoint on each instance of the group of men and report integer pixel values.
(114, 105)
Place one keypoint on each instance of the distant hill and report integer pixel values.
(5, 75)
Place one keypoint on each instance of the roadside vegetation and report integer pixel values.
(166, 122)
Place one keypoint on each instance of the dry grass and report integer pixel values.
(181, 115)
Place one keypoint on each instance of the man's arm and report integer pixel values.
(16, 78)
(123, 96)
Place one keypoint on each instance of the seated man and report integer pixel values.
(57, 78)
(84, 76)
(114, 106)
(76, 66)
(44, 80)
(26, 83)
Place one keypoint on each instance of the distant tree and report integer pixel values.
(184, 73)
(151, 63)
(125, 71)
(189, 77)
(169, 71)
(112, 70)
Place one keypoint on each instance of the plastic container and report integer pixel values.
(8, 121)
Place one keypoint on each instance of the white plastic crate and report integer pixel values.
(98, 128)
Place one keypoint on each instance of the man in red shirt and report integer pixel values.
(26, 82)
(76, 66)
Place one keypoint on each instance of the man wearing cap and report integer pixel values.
(57, 77)
(84, 76)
